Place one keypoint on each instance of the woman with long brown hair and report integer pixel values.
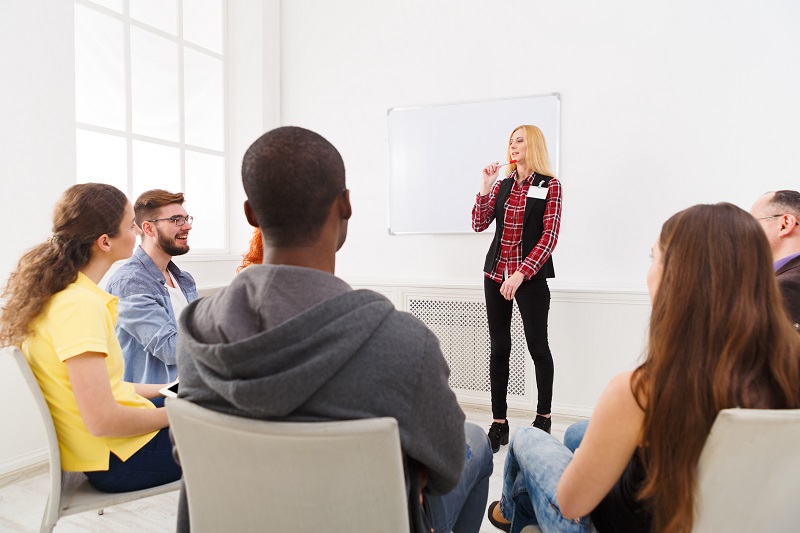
(112, 430)
(719, 338)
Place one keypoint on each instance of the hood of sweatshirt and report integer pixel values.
(273, 373)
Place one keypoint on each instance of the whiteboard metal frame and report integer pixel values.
(553, 146)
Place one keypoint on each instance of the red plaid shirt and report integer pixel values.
(510, 257)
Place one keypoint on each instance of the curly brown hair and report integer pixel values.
(83, 213)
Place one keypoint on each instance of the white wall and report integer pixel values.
(37, 162)
(664, 104)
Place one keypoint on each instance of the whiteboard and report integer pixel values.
(437, 153)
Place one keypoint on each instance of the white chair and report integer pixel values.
(70, 492)
(245, 475)
(749, 473)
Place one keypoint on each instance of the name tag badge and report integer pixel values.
(538, 191)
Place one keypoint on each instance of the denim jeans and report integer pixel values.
(533, 301)
(574, 435)
(152, 465)
(461, 510)
(534, 465)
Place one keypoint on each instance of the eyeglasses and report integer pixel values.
(177, 219)
(776, 216)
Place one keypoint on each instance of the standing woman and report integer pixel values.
(527, 208)
(106, 427)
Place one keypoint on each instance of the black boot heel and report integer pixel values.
(498, 435)
(543, 423)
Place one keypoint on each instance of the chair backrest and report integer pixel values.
(49, 428)
(243, 474)
(749, 472)
(70, 492)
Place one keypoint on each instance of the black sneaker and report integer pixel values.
(498, 434)
(543, 423)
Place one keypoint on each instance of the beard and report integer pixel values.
(172, 246)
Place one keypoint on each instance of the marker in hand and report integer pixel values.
(507, 163)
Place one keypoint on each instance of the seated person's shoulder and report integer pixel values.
(403, 328)
(76, 295)
(128, 280)
(77, 307)
(188, 277)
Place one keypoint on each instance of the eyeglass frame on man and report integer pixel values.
(175, 219)
(781, 215)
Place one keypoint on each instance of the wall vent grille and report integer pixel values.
(464, 337)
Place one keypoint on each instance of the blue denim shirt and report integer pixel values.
(147, 327)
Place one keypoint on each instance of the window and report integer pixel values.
(150, 103)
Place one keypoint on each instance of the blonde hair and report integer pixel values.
(537, 158)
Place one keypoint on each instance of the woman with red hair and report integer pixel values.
(255, 254)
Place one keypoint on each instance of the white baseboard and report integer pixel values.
(25, 460)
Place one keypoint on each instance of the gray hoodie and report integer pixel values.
(290, 343)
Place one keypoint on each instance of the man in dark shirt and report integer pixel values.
(288, 340)
(779, 214)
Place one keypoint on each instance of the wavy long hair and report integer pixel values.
(537, 157)
(719, 338)
(255, 253)
(83, 213)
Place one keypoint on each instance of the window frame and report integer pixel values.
(129, 136)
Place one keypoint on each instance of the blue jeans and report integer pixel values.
(574, 435)
(152, 465)
(461, 510)
(534, 465)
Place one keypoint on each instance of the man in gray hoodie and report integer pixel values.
(288, 340)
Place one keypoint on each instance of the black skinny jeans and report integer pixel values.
(533, 300)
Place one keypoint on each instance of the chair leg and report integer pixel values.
(49, 518)
(100, 511)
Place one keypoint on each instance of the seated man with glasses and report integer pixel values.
(779, 214)
(152, 290)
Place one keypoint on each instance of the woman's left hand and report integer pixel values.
(509, 287)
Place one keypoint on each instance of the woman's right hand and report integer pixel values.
(490, 172)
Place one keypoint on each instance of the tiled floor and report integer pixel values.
(24, 495)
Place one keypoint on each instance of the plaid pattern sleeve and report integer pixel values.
(483, 210)
(552, 224)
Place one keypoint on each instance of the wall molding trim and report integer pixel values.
(24, 461)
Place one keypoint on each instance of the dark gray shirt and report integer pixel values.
(290, 343)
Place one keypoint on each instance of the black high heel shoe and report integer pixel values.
(543, 423)
(498, 434)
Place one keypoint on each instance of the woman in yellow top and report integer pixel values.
(112, 430)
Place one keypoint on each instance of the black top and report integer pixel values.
(620, 511)
(789, 284)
